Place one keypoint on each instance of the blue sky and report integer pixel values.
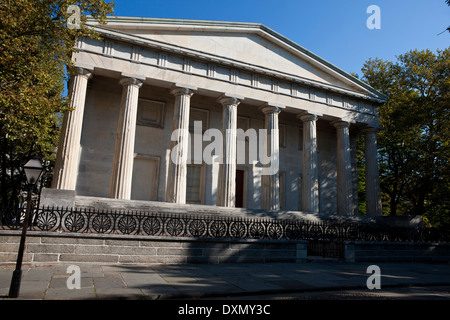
(334, 30)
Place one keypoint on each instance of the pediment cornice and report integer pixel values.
(126, 24)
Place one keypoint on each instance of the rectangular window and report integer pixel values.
(196, 114)
(145, 178)
(195, 184)
(150, 113)
(244, 124)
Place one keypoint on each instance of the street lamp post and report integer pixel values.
(33, 169)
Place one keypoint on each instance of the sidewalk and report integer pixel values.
(207, 281)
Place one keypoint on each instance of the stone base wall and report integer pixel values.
(397, 252)
(53, 247)
(48, 247)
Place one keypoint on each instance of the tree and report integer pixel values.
(448, 3)
(35, 53)
(414, 143)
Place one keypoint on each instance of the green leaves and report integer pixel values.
(414, 142)
(35, 49)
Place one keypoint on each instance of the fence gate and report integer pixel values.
(325, 240)
(326, 248)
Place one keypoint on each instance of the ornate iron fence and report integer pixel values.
(211, 226)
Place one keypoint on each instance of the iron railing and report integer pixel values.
(211, 226)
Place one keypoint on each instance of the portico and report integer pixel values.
(150, 78)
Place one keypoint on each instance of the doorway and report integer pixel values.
(239, 195)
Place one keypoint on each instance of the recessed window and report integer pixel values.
(201, 115)
(194, 184)
(150, 113)
(244, 124)
(145, 177)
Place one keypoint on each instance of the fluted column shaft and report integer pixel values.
(69, 149)
(271, 181)
(226, 188)
(176, 179)
(344, 168)
(310, 172)
(122, 170)
(373, 196)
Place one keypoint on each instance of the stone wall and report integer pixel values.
(397, 252)
(53, 247)
(48, 247)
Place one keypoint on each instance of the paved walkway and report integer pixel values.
(207, 281)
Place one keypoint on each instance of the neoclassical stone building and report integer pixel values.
(150, 77)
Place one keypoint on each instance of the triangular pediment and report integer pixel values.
(246, 44)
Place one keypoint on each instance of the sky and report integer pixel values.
(334, 30)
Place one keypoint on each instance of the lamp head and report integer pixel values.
(33, 169)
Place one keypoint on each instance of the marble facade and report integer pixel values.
(150, 77)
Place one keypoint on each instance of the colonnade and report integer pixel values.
(66, 168)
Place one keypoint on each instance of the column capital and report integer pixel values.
(340, 123)
(131, 81)
(80, 71)
(271, 108)
(228, 100)
(307, 116)
(178, 91)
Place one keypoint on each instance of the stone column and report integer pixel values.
(270, 180)
(69, 149)
(226, 186)
(310, 171)
(373, 196)
(176, 178)
(344, 168)
(354, 163)
(122, 170)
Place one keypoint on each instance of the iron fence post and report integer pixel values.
(17, 274)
